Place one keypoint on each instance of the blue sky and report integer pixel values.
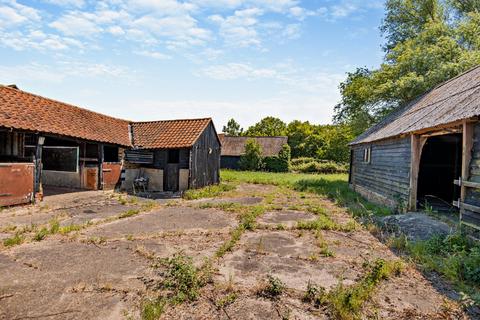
(167, 59)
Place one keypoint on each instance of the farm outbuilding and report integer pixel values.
(175, 154)
(47, 145)
(425, 153)
(233, 148)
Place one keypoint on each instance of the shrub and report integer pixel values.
(310, 165)
(280, 163)
(182, 278)
(252, 159)
(273, 288)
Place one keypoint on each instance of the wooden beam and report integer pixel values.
(467, 145)
(416, 145)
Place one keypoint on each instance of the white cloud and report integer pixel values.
(232, 71)
(239, 29)
(292, 31)
(13, 14)
(293, 78)
(153, 54)
(37, 40)
(76, 24)
(67, 3)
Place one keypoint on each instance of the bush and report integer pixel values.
(310, 165)
(275, 164)
(252, 159)
(302, 160)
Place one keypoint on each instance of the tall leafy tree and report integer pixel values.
(269, 126)
(423, 49)
(404, 19)
(232, 128)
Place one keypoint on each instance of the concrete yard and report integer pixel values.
(100, 262)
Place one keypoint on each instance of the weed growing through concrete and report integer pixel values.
(322, 244)
(346, 302)
(247, 222)
(13, 241)
(182, 278)
(152, 309)
(129, 213)
(207, 192)
(226, 300)
(314, 294)
(273, 288)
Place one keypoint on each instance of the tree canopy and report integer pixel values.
(232, 128)
(427, 42)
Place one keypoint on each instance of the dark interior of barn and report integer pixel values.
(440, 164)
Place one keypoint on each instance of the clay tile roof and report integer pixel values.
(451, 101)
(26, 111)
(169, 133)
(235, 146)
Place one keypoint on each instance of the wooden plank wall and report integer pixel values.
(472, 196)
(161, 158)
(388, 173)
(205, 165)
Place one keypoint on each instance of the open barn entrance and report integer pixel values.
(440, 164)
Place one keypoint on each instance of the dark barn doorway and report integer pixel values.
(440, 164)
(172, 174)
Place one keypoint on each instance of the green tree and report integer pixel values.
(424, 48)
(335, 147)
(404, 19)
(269, 126)
(298, 133)
(232, 128)
(252, 159)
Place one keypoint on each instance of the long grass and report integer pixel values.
(332, 186)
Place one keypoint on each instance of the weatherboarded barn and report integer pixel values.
(47, 145)
(234, 147)
(175, 155)
(427, 152)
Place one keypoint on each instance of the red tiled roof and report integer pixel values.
(26, 111)
(168, 134)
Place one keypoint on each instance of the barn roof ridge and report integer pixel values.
(453, 100)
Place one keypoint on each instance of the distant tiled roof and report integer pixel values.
(235, 146)
(451, 101)
(26, 111)
(168, 134)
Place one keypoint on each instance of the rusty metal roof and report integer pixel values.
(235, 146)
(451, 101)
(168, 134)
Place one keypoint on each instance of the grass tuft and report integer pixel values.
(152, 309)
(273, 288)
(346, 302)
(207, 192)
(17, 239)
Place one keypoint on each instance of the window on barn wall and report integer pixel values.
(173, 156)
(110, 154)
(367, 154)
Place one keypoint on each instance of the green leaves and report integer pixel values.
(424, 47)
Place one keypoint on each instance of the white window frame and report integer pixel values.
(367, 155)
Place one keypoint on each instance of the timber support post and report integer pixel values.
(416, 142)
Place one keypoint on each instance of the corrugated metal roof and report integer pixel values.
(453, 100)
(235, 146)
